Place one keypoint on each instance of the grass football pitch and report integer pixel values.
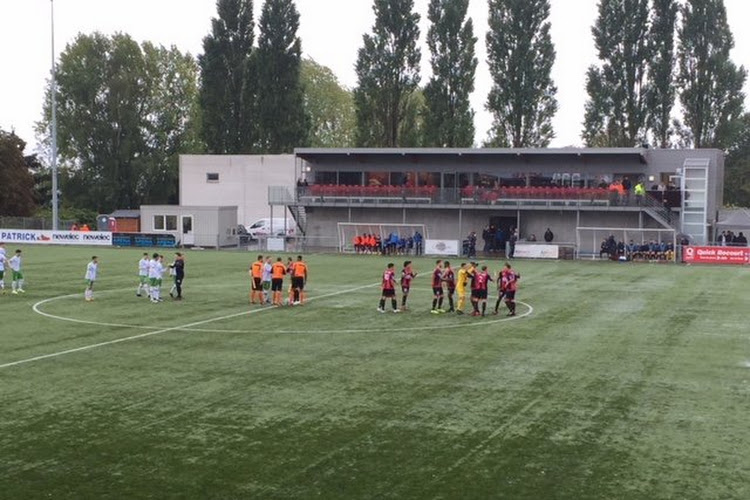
(616, 381)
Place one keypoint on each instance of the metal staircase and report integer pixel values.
(300, 217)
(661, 214)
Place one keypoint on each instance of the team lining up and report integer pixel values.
(444, 279)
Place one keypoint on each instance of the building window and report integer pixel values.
(165, 223)
(212, 177)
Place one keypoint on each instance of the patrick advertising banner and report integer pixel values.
(715, 255)
(26, 236)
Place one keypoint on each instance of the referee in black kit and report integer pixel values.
(178, 269)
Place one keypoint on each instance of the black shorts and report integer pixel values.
(298, 282)
(451, 290)
(257, 284)
(510, 295)
(481, 294)
(277, 284)
(389, 292)
(437, 290)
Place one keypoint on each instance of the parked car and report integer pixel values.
(262, 228)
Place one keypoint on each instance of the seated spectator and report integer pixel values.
(532, 237)
(604, 248)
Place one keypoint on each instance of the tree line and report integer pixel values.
(126, 110)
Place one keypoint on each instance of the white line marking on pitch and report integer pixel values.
(446, 326)
(164, 330)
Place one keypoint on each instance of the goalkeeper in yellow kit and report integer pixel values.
(462, 279)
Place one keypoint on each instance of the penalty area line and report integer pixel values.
(165, 330)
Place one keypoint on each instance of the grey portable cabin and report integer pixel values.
(209, 226)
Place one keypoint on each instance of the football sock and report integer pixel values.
(394, 304)
(434, 303)
(382, 304)
(497, 304)
(450, 302)
(484, 307)
(475, 305)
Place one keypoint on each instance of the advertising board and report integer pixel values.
(537, 251)
(42, 237)
(715, 255)
(441, 247)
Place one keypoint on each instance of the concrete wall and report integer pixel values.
(243, 181)
(448, 224)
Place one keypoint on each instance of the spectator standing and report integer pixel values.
(472, 240)
(640, 192)
(512, 243)
(418, 239)
(548, 235)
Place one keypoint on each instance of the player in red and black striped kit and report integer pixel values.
(510, 285)
(449, 278)
(388, 289)
(479, 291)
(407, 274)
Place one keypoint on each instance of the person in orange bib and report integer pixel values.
(278, 270)
(299, 277)
(256, 275)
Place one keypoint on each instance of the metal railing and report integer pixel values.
(508, 197)
(40, 223)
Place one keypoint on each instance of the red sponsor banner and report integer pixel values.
(716, 255)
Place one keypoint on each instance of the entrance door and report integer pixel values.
(188, 237)
(504, 224)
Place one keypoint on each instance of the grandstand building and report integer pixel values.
(456, 191)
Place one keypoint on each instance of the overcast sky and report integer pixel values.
(331, 33)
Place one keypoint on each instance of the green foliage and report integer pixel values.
(710, 83)
(616, 112)
(74, 214)
(17, 196)
(449, 119)
(124, 112)
(388, 73)
(329, 106)
(228, 81)
(737, 167)
(281, 118)
(520, 54)
(661, 71)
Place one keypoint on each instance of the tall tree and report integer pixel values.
(17, 194)
(227, 93)
(282, 122)
(388, 73)
(662, 71)
(737, 167)
(124, 115)
(329, 106)
(520, 55)
(449, 119)
(616, 112)
(709, 82)
(173, 125)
